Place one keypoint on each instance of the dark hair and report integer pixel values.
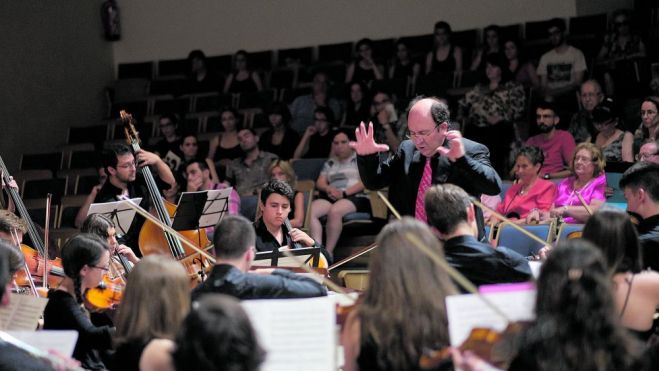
(109, 156)
(171, 117)
(5, 276)
(613, 232)
(442, 25)
(349, 133)
(446, 206)
(329, 114)
(251, 130)
(556, 22)
(500, 61)
(217, 335)
(533, 154)
(202, 164)
(521, 53)
(97, 224)
(492, 27)
(78, 251)
(277, 187)
(576, 324)
(245, 54)
(234, 234)
(14, 257)
(547, 105)
(282, 110)
(362, 42)
(196, 54)
(642, 175)
(438, 110)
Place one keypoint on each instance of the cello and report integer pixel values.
(152, 240)
(44, 271)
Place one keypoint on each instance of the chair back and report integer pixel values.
(510, 237)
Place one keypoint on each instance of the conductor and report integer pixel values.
(431, 154)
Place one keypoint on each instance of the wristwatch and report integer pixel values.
(546, 176)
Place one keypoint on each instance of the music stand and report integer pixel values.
(275, 258)
(119, 212)
(201, 209)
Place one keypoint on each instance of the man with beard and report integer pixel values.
(557, 145)
(249, 172)
(123, 180)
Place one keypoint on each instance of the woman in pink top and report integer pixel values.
(531, 196)
(588, 181)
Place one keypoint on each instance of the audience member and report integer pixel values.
(242, 79)
(523, 70)
(385, 121)
(358, 108)
(491, 108)
(616, 144)
(636, 292)
(317, 139)
(557, 145)
(280, 139)
(649, 128)
(364, 68)
(453, 217)
(169, 148)
(445, 57)
(640, 184)
(491, 45)
(561, 69)
(197, 175)
(403, 312)
(531, 196)
(248, 173)
(154, 303)
(649, 152)
(581, 125)
(341, 192)
(303, 107)
(201, 79)
(235, 248)
(587, 180)
(215, 336)
(403, 67)
(85, 258)
(225, 147)
(283, 171)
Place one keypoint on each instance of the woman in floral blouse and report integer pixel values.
(489, 110)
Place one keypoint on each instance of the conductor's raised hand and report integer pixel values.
(456, 147)
(365, 144)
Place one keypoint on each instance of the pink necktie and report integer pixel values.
(426, 181)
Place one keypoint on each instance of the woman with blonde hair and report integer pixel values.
(403, 310)
(155, 301)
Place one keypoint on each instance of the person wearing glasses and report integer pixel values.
(649, 152)
(432, 154)
(649, 128)
(121, 166)
(581, 125)
(85, 259)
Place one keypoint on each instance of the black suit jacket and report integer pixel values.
(402, 173)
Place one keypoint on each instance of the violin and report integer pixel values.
(107, 295)
(39, 269)
(152, 239)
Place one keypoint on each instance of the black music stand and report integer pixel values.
(201, 209)
(119, 212)
(306, 254)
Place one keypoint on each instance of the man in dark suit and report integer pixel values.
(433, 154)
(453, 218)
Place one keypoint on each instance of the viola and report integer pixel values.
(36, 265)
(152, 238)
(107, 295)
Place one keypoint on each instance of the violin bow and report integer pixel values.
(49, 199)
(165, 227)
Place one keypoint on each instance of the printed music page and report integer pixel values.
(297, 334)
(22, 313)
(62, 341)
(468, 311)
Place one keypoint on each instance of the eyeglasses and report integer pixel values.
(130, 165)
(645, 156)
(583, 159)
(421, 134)
(105, 269)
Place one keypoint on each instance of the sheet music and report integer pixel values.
(122, 215)
(283, 261)
(298, 334)
(468, 311)
(62, 341)
(22, 313)
(216, 206)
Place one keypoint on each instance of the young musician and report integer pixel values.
(12, 358)
(403, 311)
(155, 302)
(234, 250)
(103, 227)
(85, 259)
(123, 180)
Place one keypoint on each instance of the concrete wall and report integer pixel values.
(53, 68)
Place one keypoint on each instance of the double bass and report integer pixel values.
(39, 269)
(152, 239)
